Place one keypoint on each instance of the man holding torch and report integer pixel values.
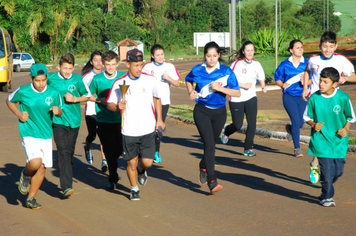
(138, 105)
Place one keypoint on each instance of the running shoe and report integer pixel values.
(250, 153)
(289, 133)
(134, 195)
(203, 176)
(33, 204)
(214, 186)
(68, 192)
(111, 186)
(24, 184)
(329, 202)
(142, 177)
(314, 175)
(88, 155)
(298, 152)
(104, 166)
(157, 158)
(224, 139)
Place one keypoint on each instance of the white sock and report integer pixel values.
(134, 188)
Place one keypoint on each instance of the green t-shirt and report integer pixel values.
(71, 115)
(334, 110)
(101, 86)
(38, 105)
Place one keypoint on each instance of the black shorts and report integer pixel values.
(142, 146)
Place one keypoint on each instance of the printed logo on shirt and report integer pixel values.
(49, 101)
(71, 88)
(244, 71)
(317, 68)
(337, 109)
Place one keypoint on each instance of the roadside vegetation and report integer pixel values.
(48, 28)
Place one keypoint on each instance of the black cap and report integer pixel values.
(134, 55)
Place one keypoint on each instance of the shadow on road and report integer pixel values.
(250, 181)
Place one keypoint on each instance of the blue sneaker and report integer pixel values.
(224, 139)
(250, 153)
(314, 175)
(158, 158)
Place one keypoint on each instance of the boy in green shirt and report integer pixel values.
(65, 128)
(38, 102)
(330, 114)
(109, 123)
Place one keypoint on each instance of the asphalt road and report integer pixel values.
(269, 194)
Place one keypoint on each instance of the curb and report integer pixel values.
(264, 133)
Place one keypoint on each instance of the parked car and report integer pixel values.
(22, 61)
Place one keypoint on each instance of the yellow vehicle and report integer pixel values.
(6, 66)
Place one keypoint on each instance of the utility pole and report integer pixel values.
(276, 31)
(240, 21)
(280, 17)
(232, 22)
(233, 25)
(327, 14)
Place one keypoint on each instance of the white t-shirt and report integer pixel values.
(89, 108)
(157, 71)
(139, 115)
(247, 72)
(316, 64)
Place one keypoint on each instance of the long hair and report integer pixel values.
(240, 53)
(210, 45)
(88, 67)
(294, 41)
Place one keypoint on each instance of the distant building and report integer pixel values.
(126, 45)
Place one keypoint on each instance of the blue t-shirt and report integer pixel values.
(286, 72)
(206, 95)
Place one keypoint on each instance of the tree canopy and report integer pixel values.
(48, 28)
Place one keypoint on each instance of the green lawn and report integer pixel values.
(346, 7)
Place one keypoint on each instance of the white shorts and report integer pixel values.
(38, 148)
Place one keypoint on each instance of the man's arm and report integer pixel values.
(22, 116)
(351, 79)
(158, 108)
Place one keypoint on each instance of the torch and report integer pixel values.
(123, 88)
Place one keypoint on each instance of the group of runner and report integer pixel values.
(329, 111)
(128, 110)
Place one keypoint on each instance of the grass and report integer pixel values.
(346, 7)
(186, 112)
(352, 141)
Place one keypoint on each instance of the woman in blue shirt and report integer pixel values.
(288, 76)
(213, 82)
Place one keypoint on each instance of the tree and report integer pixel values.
(310, 16)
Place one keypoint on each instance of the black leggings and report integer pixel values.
(92, 128)
(209, 123)
(111, 139)
(164, 115)
(238, 109)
